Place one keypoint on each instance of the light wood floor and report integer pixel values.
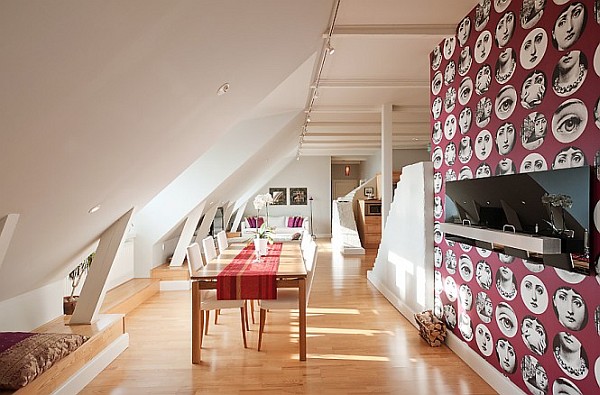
(357, 344)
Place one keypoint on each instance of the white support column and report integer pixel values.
(238, 217)
(187, 233)
(227, 212)
(209, 216)
(7, 229)
(93, 292)
(386, 162)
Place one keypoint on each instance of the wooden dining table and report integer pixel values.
(291, 273)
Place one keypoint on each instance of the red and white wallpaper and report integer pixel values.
(517, 90)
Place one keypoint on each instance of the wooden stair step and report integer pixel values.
(165, 272)
(129, 295)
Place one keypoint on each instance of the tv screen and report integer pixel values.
(524, 201)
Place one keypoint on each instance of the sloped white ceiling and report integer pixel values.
(106, 102)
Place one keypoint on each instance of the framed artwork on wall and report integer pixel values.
(298, 196)
(279, 196)
(369, 192)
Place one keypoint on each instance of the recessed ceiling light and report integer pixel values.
(223, 89)
(94, 209)
(415, 139)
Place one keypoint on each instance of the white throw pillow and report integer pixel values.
(277, 222)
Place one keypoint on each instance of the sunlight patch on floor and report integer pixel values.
(368, 358)
(314, 310)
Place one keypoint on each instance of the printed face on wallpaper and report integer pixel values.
(569, 157)
(484, 307)
(450, 315)
(570, 308)
(484, 340)
(506, 319)
(533, 48)
(531, 12)
(570, 355)
(505, 29)
(533, 162)
(533, 89)
(534, 335)
(565, 386)
(534, 294)
(507, 356)
(533, 130)
(569, 73)
(506, 100)
(534, 375)
(569, 26)
(463, 31)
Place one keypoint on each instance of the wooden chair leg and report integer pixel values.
(263, 318)
(217, 312)
(243, 314)
(252, 310)
(246, 314)
(206, 322)
(201, 327)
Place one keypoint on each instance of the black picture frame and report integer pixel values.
(279, 196)
(298, 196)
(369, 191)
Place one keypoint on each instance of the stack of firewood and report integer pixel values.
(431, 329)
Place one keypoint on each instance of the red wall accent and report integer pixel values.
(519, 332)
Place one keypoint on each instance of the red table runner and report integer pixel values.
(245, 279)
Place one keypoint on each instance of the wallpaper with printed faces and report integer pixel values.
(516, 90)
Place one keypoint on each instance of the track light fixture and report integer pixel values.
(330, 49)
(326, 50)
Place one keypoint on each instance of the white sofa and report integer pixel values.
(281, 230)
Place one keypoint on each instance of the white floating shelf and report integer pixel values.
(500, 239)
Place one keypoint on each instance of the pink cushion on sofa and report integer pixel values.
(299, 221)
(259, 222)
(251, 222)
(291, 221)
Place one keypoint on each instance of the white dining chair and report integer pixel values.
(222, 241)
(209, 297)
(208, 245)
(287, 298)
(305, 241)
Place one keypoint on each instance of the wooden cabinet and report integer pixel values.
(368, 222)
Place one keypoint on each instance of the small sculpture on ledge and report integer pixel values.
(555, 202)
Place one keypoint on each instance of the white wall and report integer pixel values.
(313, 173)
(403, 270)
(32, 309)
(401, 158)
(405, 157)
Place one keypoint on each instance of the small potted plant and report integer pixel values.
(69, 302)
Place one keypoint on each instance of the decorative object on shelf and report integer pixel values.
(298, 196)
(557, 203)
(69, 302)
(369, 192)
(279, 196)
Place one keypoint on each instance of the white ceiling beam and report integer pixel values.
(368, 109)
(370, 83)
(394, 30)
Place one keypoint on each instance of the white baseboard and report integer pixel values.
(490, 374)
(406, 311)
(87, 373)
(175, 285)
(487, 372)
